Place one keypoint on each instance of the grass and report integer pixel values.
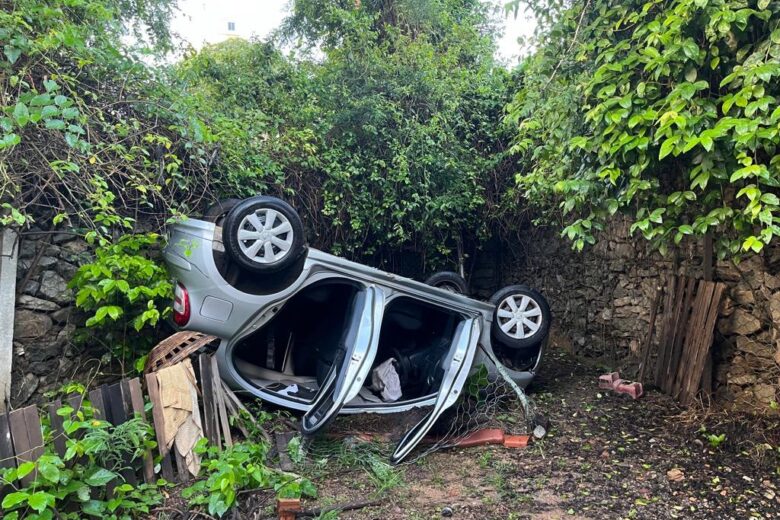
(328, 456)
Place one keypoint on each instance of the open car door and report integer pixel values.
(352, 363)
(456, 369)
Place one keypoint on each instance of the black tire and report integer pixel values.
(523, 337)
(217, 212)
(449, 281)
(240, 251)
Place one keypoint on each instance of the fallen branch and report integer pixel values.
(344, 507)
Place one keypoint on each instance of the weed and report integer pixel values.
(715, 440)
(238, 467)
(485, 459)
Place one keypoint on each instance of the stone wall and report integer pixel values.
(44, 354)
(601, 301)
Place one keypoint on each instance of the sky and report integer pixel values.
(212, 21)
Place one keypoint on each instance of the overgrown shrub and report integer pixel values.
(667, 111)
(125, 289)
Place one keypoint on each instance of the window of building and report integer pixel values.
(231, 26)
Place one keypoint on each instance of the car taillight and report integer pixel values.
(181, 305)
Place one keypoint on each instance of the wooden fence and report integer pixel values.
(21, 433)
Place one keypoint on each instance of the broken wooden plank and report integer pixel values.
(707, 257)
(137, 403)
(664, 341)
(133, 465)
(116, 405)
(647, 347)
(106, 404)
(682, 315)
(98, 403)
(210, 426)
(57, 427)
(34, 431)
(703, 330)
(159, 426)
(220, 399)
(7, 457)
(25, 426)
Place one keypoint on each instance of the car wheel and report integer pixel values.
(263, 234)
(522, 317)
(217, 212)
(449, 281)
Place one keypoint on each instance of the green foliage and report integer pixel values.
(241, 466)
(125, 289)
(388, 143)
(74, 486)
(667, 111)
(79, 121)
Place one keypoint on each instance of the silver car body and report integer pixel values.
(220, 309)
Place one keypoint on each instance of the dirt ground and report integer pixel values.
(606, 456)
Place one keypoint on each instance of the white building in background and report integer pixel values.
(202, 22)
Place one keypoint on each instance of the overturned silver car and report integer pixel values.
(313, 332)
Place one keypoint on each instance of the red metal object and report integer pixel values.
(613, 382)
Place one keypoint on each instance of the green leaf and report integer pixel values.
(657, 216)
(9, 140)
(71, 139)
(748, 171)
(49, 111)
(55, 124)
(40, 501)
(70, 113)
(24, 469)
(83, 492)
(40, 100)
(15, 498)
(690, 49)
(94, 508)
(49, 471)
(50, 85)
(114, 312)
(752, 243)
(668, 146)
(21, 114)
(217, 505)
(12, 53)
(101, 477)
